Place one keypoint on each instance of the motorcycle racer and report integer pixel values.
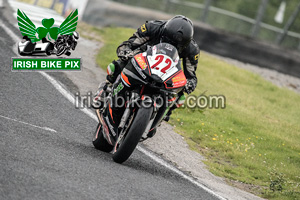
(177, 31)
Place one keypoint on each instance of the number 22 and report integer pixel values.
(160, 59)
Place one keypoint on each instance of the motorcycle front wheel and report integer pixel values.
(132, 138)
(60, 50)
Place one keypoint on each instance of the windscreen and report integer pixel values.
(166, 49)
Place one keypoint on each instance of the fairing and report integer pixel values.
(160, 64)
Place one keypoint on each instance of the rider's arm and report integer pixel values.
(143, 34)
(190, 60)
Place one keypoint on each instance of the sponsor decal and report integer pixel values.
(141, 62)
(143, 28)
(138, 69)
(179, 80)
(119, 88)
(111, 128)
(179, 84)
(169, 47)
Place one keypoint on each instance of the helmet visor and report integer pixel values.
(176, 44)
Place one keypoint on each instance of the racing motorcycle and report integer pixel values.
(64, 43)
(150, 82)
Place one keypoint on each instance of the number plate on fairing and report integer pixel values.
(162, 66)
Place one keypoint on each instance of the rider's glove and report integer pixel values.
(190, 85)
(125, 54)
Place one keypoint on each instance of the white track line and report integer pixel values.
(177, 171)
(159, 160)
(68, 95)
(11, 34)
(44, 128)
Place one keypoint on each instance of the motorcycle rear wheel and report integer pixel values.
(133, 135)
(100, 142)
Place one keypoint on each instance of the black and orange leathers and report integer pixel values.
(134, 77)
(150, 34)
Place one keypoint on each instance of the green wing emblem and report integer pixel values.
(70, 23)
(28, 29)
(26, 26)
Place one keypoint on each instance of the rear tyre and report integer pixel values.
(133, 135)
(100, 142)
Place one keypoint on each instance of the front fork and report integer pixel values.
(130, 109)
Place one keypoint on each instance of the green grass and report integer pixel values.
(113, 37)
(254, 140)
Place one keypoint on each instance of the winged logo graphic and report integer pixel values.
(28, 28)
(55, 40)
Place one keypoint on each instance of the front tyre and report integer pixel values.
(133, 135)
(100, 142)
(61, 50)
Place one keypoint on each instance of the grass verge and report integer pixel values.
(254, 142)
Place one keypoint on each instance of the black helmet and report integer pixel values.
(178, 31)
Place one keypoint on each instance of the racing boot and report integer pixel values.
(151, 133)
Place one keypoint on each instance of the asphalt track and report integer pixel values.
(47, 152)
